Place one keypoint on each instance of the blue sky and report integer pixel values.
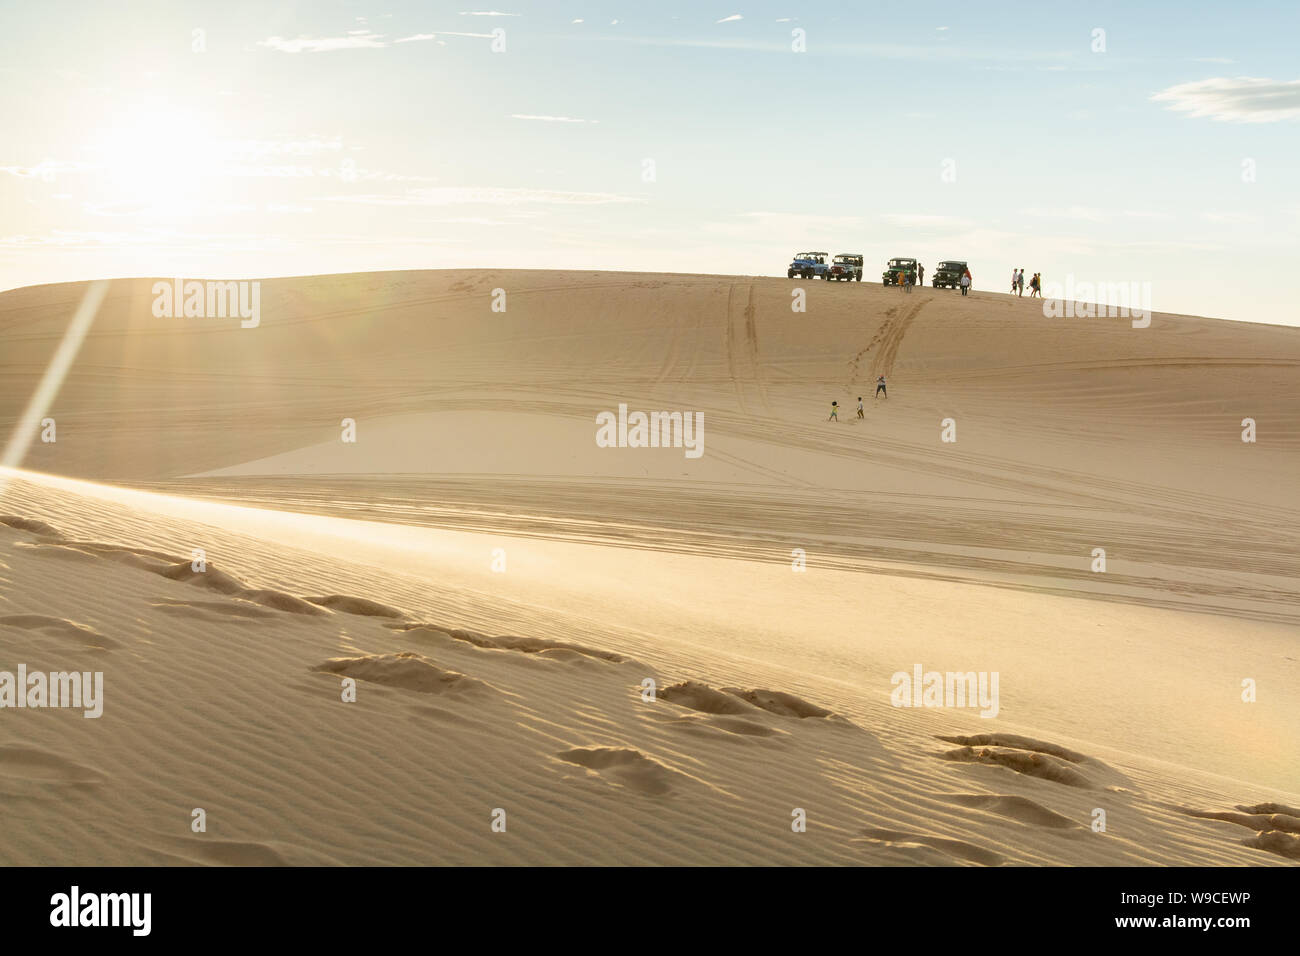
(342, 136)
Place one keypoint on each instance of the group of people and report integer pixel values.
(880, 390)
(1018, 283)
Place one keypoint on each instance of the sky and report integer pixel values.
(1151, 143)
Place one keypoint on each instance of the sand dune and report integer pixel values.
(613, 645)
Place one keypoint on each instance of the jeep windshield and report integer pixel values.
(902, 262)
(951, 266)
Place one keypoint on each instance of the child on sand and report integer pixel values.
(835, 408)
(860, 415)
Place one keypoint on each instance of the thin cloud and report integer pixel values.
(488, 13)
(730, 19)
(47, 170)
(1242, 99)
(355, 41)
(550, 119)
(922, 221)
(1091, 213)
(305, 44)
(486, 195)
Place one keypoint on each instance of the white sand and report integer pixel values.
(1118, 691)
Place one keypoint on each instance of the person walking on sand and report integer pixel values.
(860, 415)
(835, 408)
(1035, 286)
(965, 282)
(1015, 277)
(920, 274)
(908, 279)
(1020, 288)
(880, 387)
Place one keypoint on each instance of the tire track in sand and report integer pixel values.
(894, 330)
(743, 364)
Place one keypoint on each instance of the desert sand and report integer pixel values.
(501, 589)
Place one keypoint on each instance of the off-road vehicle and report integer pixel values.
(948, 274)
(906, 268)
(846, 266)
(808, 265)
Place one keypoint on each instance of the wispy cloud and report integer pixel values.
(485, 195)
(550, 119)
(47, 169)
(356, 40)
(1091, 213)
(1242, 99)
(908, 220)
(305, 44)
(487, 13)
(733, 17)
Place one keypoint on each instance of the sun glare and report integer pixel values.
(156, 160)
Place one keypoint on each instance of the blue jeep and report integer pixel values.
(808, 265)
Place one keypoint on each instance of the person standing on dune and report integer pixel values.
(920, 274)
(1020, 288)
(965, 282)
(835, 409)
(860, 415)
(880, 387)
(1015, 277)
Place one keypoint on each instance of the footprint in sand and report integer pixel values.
(27, 771)
(626, 768)
(214, 610)
(1024, 755)
(737, 701)
(952, 849)
(1021, 809)
(404, 671)
(1277, 825)
(60, 627)
(346, 604)
(554, 650)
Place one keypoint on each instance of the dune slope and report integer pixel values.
(502, 590)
